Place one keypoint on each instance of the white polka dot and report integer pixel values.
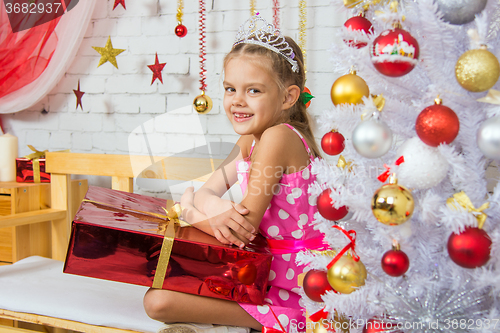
(290, 274)
(263, 309)
(286, 256)
(296, 290)
(284, 295)
(283, 215)
(242, 166)
(305, 173)
(297, 234)
(279, 237)
(283, 318)
(296, 192)
(273, 231)
(240, 178)
(268, 300)
(290, 199)
(312, 200)
(272, 275)
(302, 303)
(269, 207)
(306, 269)
(303, 219)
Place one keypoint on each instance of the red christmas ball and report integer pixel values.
(395, 262)
(395, 52)
(316, 284)
(181, 30)
(374, 325)
(437, 124)
(333, 143)
(470, 249)
(358, 23)
(326, 209)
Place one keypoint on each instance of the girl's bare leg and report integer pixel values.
(174, 307)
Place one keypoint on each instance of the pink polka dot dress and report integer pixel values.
(286, 225)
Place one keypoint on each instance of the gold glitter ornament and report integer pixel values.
(477, 70)
(303, 30)
(392, 204)
(350, 89)
(202, 103)
(346, 275)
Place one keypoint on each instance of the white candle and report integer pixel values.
(8, 155)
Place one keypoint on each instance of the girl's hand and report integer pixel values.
(229, 224)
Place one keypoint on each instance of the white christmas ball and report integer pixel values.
(460, 11)
(424, 166)
(488, 138)
(372, 138)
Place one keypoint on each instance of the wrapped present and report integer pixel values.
(132, 238)
(31, 168)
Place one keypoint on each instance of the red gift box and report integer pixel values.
(119, 236)
(26, 171)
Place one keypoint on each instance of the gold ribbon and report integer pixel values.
(342, 163)
(493, 97)
(378, 102)
(35, 157)
(166, 228)
(463, 200)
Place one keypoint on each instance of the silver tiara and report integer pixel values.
(257, 31)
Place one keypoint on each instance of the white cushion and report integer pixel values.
(38, 285)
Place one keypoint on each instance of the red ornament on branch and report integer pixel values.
(470, 248)
(358, 23)
(395, 262)
(437, 124)
(316, 284)
(395, 52)
(333, 143)
(326, 209)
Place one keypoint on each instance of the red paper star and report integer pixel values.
(119, 2)
(79, 95)
(156, 69)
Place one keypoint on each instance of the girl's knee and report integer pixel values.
(158, 304)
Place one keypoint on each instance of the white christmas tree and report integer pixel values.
(452, 284)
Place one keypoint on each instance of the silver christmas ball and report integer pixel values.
(488, 138)
(372, 138)
(460, 11)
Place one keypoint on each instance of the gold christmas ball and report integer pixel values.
(346, 275)
(477, 70)
(202, 104)
(392, 204)
(349, 88)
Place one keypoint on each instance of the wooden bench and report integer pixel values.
(122, 169)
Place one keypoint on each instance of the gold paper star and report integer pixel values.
(108, 53)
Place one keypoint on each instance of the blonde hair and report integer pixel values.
(281, 69)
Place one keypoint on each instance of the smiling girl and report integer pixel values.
(263, 79)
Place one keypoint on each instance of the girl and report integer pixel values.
(263, 79)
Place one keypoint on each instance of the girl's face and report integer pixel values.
(252, 99)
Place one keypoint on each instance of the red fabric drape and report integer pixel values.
(24, 55)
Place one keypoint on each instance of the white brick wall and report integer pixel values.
(116, 101)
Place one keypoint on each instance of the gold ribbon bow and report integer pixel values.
(463, 200)
(342, 163)
(165, 227)
(493, 97)
(35, 157)
(378, 102)
(168, 241)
